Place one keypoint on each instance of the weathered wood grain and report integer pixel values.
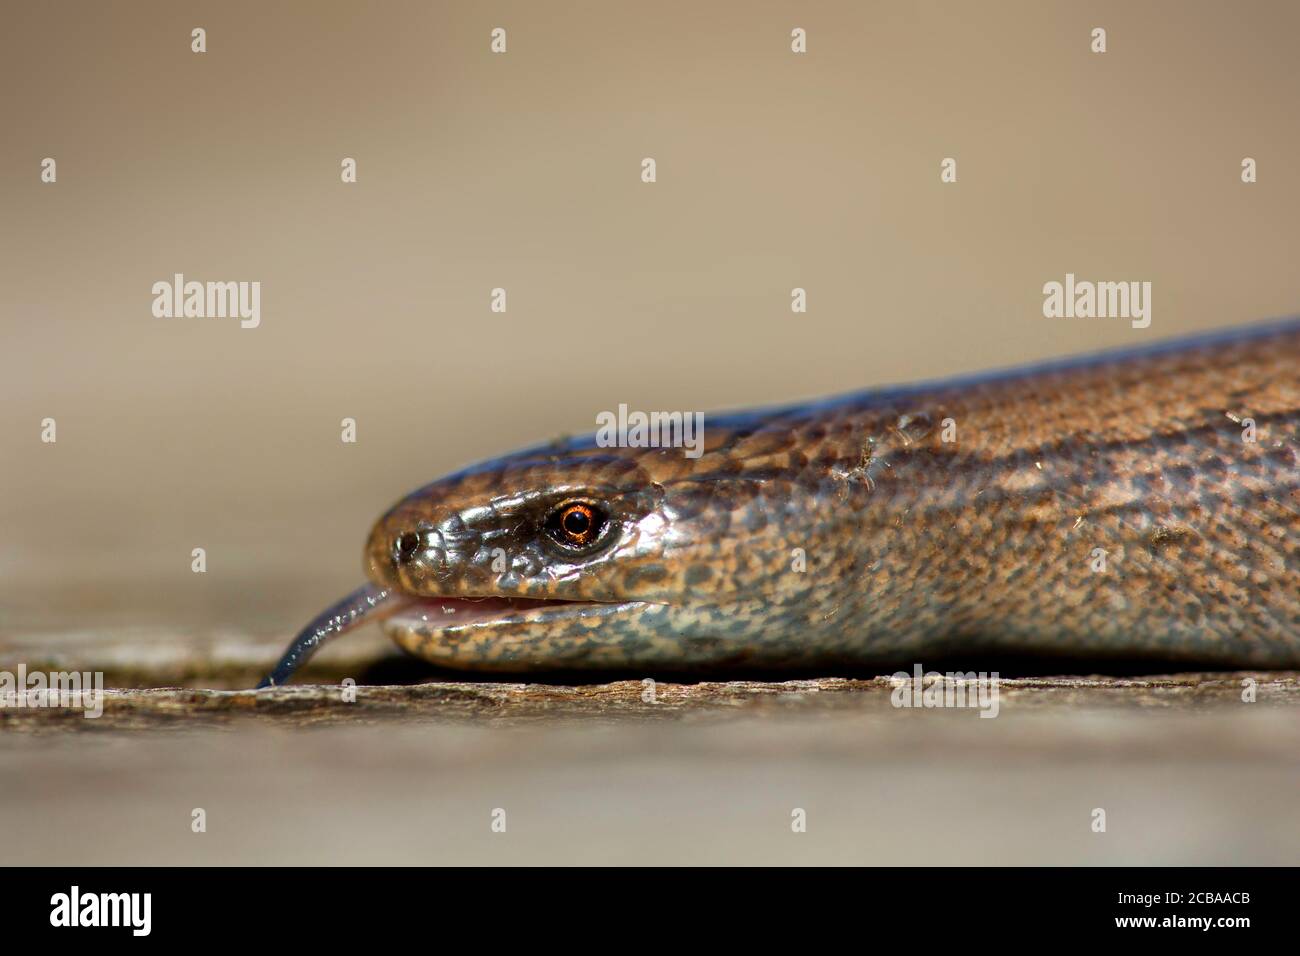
(161, 680)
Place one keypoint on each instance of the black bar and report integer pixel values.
(1045, 905)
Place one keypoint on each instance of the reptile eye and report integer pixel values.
(576, 524)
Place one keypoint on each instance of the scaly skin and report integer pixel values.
(937, 521)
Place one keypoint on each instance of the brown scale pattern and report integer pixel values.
(915, 546)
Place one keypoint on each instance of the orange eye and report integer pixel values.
(576, 524)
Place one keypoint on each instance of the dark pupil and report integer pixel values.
(576, 523)
(408, 542)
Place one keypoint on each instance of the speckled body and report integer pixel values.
(931, 522)
(1142, 506)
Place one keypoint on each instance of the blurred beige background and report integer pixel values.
(942, 789)
(521, 171)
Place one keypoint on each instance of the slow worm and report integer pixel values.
(1139, 505)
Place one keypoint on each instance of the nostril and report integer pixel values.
(407, 543)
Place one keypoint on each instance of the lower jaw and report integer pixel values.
(508, 635)
(434, 614)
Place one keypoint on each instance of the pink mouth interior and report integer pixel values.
(443, 612)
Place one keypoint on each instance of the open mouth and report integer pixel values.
(405, 617)
(435, 614)
(507, 634)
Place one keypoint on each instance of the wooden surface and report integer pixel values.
(523, 703)
(156, 681)
(414, 769)
(315, 704)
